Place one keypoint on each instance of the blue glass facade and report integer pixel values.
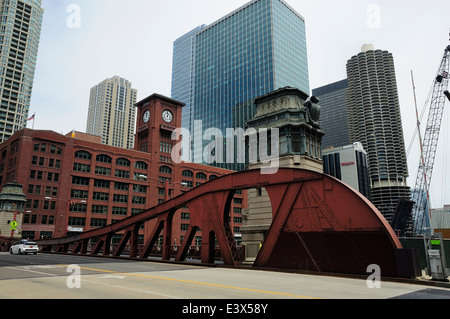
(183, 74)
(252, 51)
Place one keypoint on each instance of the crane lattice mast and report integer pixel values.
(429, 146)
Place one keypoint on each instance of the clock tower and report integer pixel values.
(157, 117)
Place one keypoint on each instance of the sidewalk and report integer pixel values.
(437, 283)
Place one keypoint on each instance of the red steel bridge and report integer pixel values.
(319, 224)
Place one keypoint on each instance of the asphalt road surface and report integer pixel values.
(64, 277)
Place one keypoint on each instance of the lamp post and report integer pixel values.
(167, 235)
(68, 202)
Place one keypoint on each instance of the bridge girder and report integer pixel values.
(319, 224)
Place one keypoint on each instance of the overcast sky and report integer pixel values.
(134, 39)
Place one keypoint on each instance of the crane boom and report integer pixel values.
(429, 147)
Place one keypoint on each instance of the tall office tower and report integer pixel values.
(375, 121)
(112, 112)
(21, 23)
(183, 70)
(254, 50)
(333, 115)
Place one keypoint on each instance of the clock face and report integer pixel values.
(146, 117)
(167, 116)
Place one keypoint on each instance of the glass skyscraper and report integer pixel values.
(183, 74)
(254, 50)
(333, 114)
(21, 23)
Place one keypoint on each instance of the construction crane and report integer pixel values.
(428, 148)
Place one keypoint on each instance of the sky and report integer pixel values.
(83, 42)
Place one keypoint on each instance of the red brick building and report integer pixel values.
(74, 183)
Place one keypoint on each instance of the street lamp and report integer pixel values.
(61, 212)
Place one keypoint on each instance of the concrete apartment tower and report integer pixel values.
(112, 112)
(374, 119)
(20, 34)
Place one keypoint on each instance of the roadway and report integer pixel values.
(50, 276)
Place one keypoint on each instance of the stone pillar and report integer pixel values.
(297, 118)
(12, 203)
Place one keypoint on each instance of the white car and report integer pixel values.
(24, 247)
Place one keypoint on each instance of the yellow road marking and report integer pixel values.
(200, 283)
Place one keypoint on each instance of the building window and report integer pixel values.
(119, 211)
(100, 196)
(189, 184)
(140, 189)
(187, 173)
(123, 162)
(102, 158)
(102, 171)
(99, 209)
(122, 173)
(78, 167)
(76, 193)
(97, 222)
(78, 208)
(201, 176)
(101, 183)
(140, 165)
(119, 198)
(121, 186)
(165, 170)
(138, 200)
(83, 155)
(77, 221)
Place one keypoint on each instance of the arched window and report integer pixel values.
(140, 165)
(83, 155)
(201, 176)
(123, 162)
(187, 173)
(102, 158)
(213, 177)
(165, 170)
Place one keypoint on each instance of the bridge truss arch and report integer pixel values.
(319, 224)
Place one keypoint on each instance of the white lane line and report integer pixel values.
(33, 271)
(98, 283)
(128, 288)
